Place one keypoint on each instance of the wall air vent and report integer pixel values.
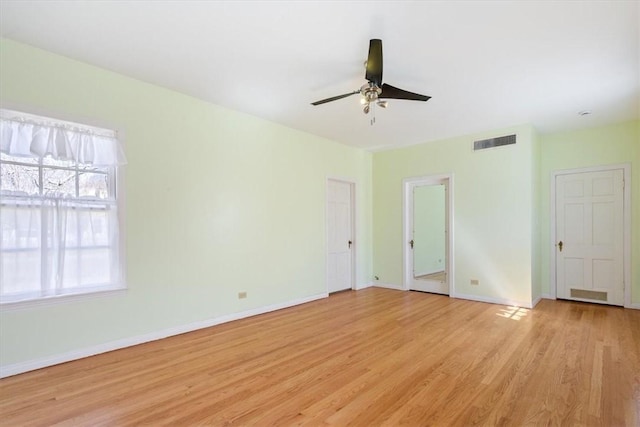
(494, 142)
(587, 294)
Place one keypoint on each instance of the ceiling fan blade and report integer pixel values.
(391, 92)
(335, 98)
(374, 62)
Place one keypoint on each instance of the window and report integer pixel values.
(60, 233)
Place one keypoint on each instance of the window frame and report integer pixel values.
(115, 188)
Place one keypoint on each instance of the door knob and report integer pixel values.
(411, 243)
(560, 245)
(350, 243)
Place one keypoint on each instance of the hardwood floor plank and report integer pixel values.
(372, 357)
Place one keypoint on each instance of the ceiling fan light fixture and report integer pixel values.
(374, 89)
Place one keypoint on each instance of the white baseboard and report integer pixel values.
(536, 301)
(389, 286)
(548, 296)
(19, 368)
(362, 286)
(492, 300)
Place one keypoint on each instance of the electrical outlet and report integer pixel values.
(475, 282)
(242, 295)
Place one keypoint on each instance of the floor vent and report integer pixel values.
(494, 142)
(585, 294)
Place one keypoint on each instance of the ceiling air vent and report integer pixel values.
(494, 142)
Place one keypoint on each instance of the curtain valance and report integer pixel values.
(22, 136)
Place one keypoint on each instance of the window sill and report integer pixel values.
(59, 299)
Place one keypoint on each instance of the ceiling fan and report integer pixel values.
(375, 91)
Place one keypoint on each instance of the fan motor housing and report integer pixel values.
(370, 92)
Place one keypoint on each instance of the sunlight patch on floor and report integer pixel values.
(514, 313)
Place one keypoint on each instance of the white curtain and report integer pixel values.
(23, 136)
(55, 246)
(20, 247)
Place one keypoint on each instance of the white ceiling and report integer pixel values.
(487, 65)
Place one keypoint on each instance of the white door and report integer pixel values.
(428, 240)
(340, 237)
(589, 236)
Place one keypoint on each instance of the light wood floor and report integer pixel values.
(372, 357)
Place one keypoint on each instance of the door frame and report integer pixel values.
(626, 221)
(408, 184)
(354, 246)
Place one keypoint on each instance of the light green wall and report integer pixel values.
(217, 202)
(495, 193)
(429, 226)
(536, 159)
(607, 145)
(493, 211)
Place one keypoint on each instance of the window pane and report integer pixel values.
(86, 267)
(95, 266)
(59, 181)
(94, 185)
(86, 226)
(70, 273)
(27, 160)
(20, 272)
(48, 161)
(70, 226)
(20, 226)
(91, 168)
(18, 178)
(20, 254)
(94, 228)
